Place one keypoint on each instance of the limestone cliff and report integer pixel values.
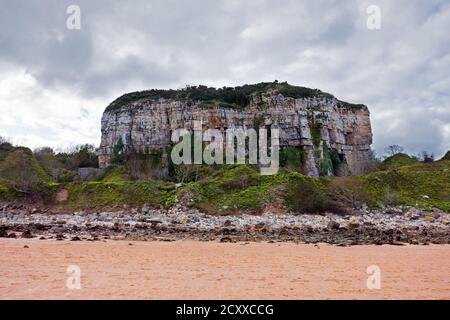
(313, 122)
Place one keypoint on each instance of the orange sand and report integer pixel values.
(211, 270)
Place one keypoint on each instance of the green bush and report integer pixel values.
(446, 157)
(398, 160)
(306, 195)
(93, 194)
(115, 173)
(23, 173)
(423, 184)
(316, 134)
(348, 192)
(119, 153)
(5, 191)
(293, 158)
(237, 97)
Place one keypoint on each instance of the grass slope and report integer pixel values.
(21, 173)
(398, 160)
(233, 189)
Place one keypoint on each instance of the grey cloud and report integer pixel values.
(400, 71)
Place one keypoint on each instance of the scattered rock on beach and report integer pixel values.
(27, 234)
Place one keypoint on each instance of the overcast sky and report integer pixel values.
(55, 82)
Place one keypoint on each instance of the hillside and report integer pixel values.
(319, 134)
(237, 189)
(230, 97)
(21, 173)
(398, 160)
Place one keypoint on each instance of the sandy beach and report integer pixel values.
(32, 269)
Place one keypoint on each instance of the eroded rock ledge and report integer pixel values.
(313, 121)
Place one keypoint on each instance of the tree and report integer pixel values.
(4, 140)
(46, 156)
(426, 157)
(392, 150)
(79, 156)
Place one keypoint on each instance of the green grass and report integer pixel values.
(398, 160)
(115, 173)
(446, 156)
(423, 184)
(97, 194)
(240, 188)
(21, 155)
(5, 190)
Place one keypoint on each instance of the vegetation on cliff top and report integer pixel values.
(21, 173)
(229, 97)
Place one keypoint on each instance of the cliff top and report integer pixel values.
(227, 97)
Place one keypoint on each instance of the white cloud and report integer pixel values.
(34, 116)
(52, 74)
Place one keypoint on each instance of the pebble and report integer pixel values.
(188, 222)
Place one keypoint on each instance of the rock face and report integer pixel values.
(318, 125)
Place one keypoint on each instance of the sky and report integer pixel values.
(55, 82)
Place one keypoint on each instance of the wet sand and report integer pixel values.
(212, 270)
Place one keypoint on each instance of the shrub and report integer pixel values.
(326, 165)
(398, 160)
(336, 161)
(237, 97)
(408, 185)
(392, 150)
(119, 152)
(115, 173)
(348, 192)
(446, 157)
(5, 148)
(293, 158)
(305, 195)
(316, 133)
(23, 172)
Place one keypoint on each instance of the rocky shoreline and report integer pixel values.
(395, 226)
